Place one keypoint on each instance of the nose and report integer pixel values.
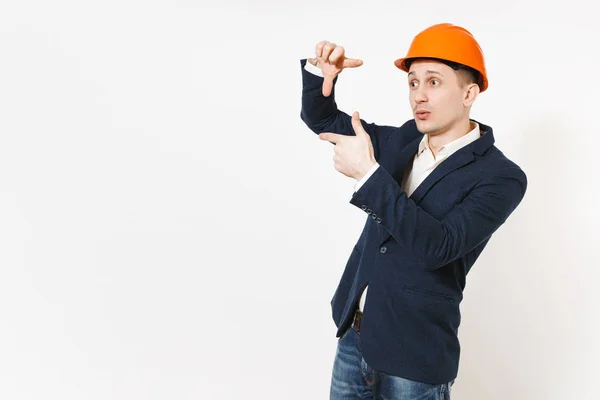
(420, 94)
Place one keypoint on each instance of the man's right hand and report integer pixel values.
(332, 60)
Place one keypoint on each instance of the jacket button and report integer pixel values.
(383, 249)
(368, 211)
(378, 220)
(374, 216)
(363, 207)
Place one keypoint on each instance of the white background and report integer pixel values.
(170, 228)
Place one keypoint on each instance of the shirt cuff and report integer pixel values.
(312, 69)
(367, 176)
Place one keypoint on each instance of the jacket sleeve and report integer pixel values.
(435, 243)
(321, 114)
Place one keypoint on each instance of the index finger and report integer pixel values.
(352, 62)
(330, 137)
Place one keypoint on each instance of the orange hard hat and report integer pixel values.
(447, 42)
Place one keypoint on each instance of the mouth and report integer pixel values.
(422, 114)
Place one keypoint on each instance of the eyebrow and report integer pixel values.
(428, 72)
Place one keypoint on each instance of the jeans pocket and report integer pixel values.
(344, 334)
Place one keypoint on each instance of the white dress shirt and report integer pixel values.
(423, 162)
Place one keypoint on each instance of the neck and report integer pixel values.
(457, 131)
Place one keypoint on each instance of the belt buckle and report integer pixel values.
(357, 318)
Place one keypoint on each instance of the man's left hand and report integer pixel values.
(352, 155)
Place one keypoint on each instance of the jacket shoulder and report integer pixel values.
(499, 165)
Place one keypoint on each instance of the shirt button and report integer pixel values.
(383, 249)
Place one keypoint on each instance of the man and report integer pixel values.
(434, 190)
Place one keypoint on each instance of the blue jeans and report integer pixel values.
(353, 378)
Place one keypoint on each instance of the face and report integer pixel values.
(440, 100)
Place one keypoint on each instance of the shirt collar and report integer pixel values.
(453, 146)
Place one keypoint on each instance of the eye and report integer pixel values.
(413, 84)
(435, 82)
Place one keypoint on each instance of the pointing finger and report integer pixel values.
(330, 137)
(352, 63)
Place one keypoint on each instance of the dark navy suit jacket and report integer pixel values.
(415, 252)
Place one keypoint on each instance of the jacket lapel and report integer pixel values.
(454, 162)
(458, 159)
(404, 160)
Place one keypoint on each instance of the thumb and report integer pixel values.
(359, 130)
(327, 85)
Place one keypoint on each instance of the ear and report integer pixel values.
(471, 93)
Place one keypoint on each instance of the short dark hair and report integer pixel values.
(474, 75)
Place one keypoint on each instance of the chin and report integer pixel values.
(425, 127)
